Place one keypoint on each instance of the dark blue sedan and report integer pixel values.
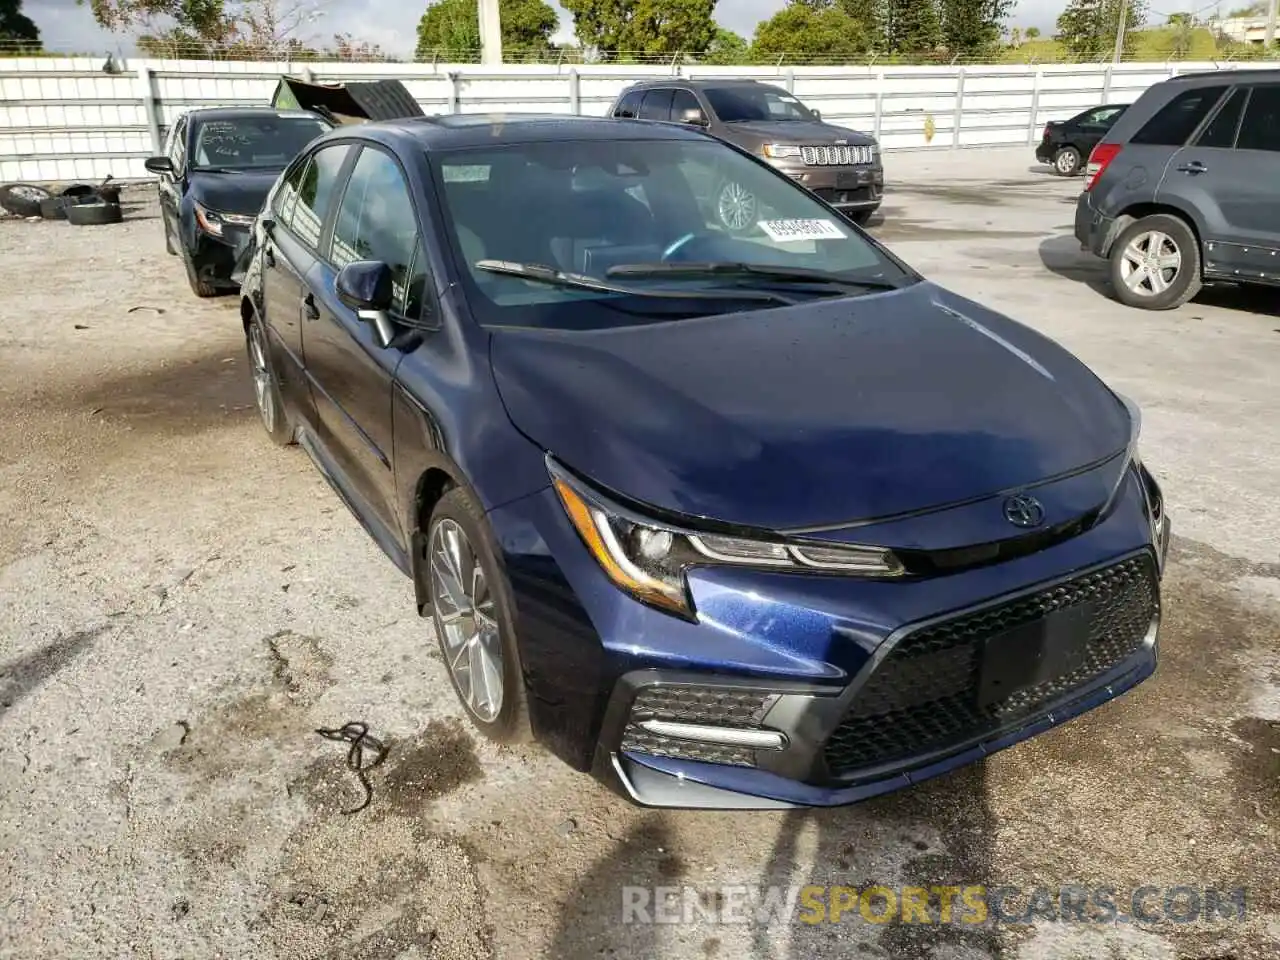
(736, 520)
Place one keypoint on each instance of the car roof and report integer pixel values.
(1228, 76)
(454, 131)
(234, 113)
(698, 84)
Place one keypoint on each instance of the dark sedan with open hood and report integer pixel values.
(218, 167)
(745, 517)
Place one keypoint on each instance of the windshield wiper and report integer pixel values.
(539, 273)
(728, 268)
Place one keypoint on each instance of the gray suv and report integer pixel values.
(1185, 188)
(839, 165)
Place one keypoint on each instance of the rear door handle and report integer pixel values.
(309, 308)
(1195, 166)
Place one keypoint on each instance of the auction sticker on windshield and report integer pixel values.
(782, 231)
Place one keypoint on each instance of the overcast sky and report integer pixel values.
(66, 26)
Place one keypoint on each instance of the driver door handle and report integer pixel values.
(309, 308)
(1195, 166)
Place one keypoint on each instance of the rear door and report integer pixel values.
(299, 210)
(351, 374)
(1231, 172)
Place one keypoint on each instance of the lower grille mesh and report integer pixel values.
(685, 703)
(924, 695)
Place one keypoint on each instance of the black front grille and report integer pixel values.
(688, 703)
(926, 695)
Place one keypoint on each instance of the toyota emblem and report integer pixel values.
(1023, 511)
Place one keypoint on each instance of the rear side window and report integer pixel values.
(287, 195)
(1178, 119)
(315, 193)
(630, 105)
(656, 105)
(1221, 131)
(1261, 127)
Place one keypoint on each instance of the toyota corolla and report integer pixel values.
(745, 519)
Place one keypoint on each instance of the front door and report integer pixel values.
(351, 373)
(171, 184)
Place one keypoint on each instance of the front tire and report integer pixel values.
(201, 288)
(1066, 162)
(266, 391)
(473, 611)
(1155, 263)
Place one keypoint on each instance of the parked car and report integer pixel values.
(1066, 143)
(841, 166)
(1186, 188)
(218, 166)
(740, 520)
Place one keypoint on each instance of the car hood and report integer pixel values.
(811, 415)
(232, 192)
(798, 131)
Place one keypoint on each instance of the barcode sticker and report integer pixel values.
(785, 230)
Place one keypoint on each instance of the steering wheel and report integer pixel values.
(676, 247)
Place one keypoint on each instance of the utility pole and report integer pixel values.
(490, 32)
(1271, 26)
(1124, 17)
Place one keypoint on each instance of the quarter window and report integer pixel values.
(1261, 127)
(1178, 119)
(376, 221)
(315, 193)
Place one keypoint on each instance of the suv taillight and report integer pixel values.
(1099, 160)
(1045, 135)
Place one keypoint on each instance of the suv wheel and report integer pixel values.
(1155, 263)
(1066, 162)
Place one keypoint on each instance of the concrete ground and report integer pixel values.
(182, 605)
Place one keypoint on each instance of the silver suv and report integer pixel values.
(1185, 188)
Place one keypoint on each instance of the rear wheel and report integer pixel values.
(473, 612)
(1066, 162)
(266, 392)
(1155, 263)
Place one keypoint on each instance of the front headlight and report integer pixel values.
(212, 222)
(781, 151)
(648, 558)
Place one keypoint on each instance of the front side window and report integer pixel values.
(376, 221)
(744, 103)
(178, 149)
(656, 105)
(315, 193)
(1177, 120)
(684, 106)
(253, 142)
(645, 214)
(1261, 127)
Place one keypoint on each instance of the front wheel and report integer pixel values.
(1155, 263)
(473, 611)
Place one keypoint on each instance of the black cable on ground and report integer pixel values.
(366, 753)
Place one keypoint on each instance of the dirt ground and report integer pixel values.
(183, 605)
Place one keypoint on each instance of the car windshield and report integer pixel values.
(253, 142)
(612, 227)
(744, 103)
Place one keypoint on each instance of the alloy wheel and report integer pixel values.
(1066, 163)
(467, 619)
(1149, 263)
(262, 378)
(736, 206)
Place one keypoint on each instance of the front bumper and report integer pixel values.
(796, 689)
(215, 258)
(859, 187)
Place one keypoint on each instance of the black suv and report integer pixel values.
(836, 164)
(1186, 188)
(1066, 143)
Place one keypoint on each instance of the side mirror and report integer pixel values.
(158, 164)
(817, 114)
(365, 287)
(694, 117)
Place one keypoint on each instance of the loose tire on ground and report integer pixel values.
(23, 199)
(460, 512)
(93, 214)
(1155, 263)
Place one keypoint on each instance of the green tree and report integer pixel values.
(16, 29)
(1087, 28)
(450, 29)
(643, 26)
(727, 49)
(1032, 33)
(911, 26)
(801, 30)
(200, 20)
(1258, 9)
(973, 27)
